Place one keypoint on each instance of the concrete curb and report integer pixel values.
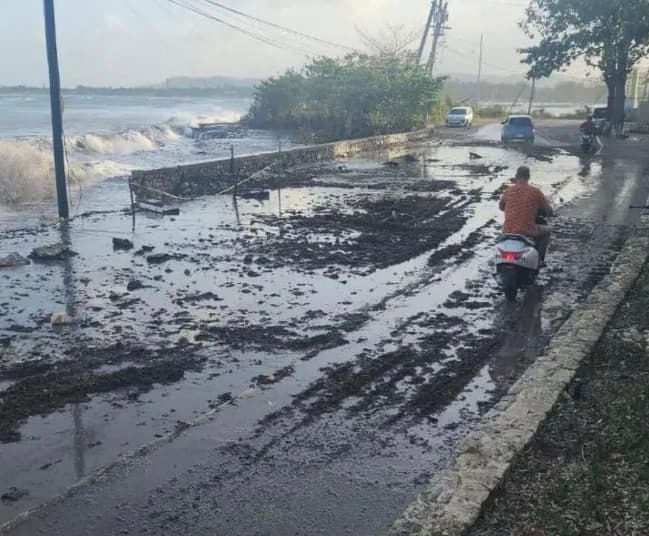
(453, 500)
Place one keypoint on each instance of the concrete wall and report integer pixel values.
(208, 178)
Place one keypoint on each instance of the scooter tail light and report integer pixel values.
(511, 256)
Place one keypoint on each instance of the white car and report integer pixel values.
(460, 117)
(600, 118)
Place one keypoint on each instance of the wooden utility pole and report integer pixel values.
(55, 103)
(532, 95)
(480, 71)
(424, 37)
(440, 18)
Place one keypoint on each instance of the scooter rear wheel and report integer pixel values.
(511, 293)
(510, 284)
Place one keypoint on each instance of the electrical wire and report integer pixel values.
(279, 27)
(264, 39)
(185, 4)
(503, 49)
(459, 52)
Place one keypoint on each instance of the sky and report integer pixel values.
(140, 42)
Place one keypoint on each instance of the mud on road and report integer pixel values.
(342, 336)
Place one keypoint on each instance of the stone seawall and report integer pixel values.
(208, 178)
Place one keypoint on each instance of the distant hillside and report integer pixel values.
(226, 91)
(568, 92)
(217, 86)
(212, 82)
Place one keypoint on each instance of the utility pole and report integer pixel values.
(480, 71)
(55, 103)
(424, 37)
(440, 18)
(532, 96)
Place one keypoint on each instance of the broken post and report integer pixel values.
(233, 172)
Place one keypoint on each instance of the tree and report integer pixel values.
(391, 41)
(358, 95)
(610, 35)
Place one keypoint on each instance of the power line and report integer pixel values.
(472, 56)
(264, 39)
(487, 47)
(277, 26)
(506, 49)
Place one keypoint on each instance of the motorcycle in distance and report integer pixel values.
(517, 262)
(588, 143)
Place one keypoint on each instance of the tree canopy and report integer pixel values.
(611, 35)
(358, 95)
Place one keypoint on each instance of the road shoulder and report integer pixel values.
(587, 470)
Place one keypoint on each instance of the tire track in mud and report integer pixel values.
(436, 378)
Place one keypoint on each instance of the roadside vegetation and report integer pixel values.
(493, 111)
(355, 96)
(541, 113)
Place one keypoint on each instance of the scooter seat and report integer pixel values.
(520, 238)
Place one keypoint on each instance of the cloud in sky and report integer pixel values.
(134, 42)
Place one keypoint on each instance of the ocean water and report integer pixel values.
(107, 136)
(555, 109)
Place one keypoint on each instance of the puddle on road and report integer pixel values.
(313, 316)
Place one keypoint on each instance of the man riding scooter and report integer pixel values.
(522, 204)
(521, 250)
(590, 142)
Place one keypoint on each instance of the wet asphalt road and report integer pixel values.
(326, 449)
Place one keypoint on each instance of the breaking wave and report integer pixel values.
(148, 139)
(123, 143)
(25, 172)
(27, 169)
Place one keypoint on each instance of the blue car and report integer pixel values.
(518, 128)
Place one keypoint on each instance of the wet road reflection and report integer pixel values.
(235, 206)
(69, 289)
(524, 338)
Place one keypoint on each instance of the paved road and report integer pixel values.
(343, 441)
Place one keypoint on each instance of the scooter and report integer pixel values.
(517, 262)
(588, 145)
